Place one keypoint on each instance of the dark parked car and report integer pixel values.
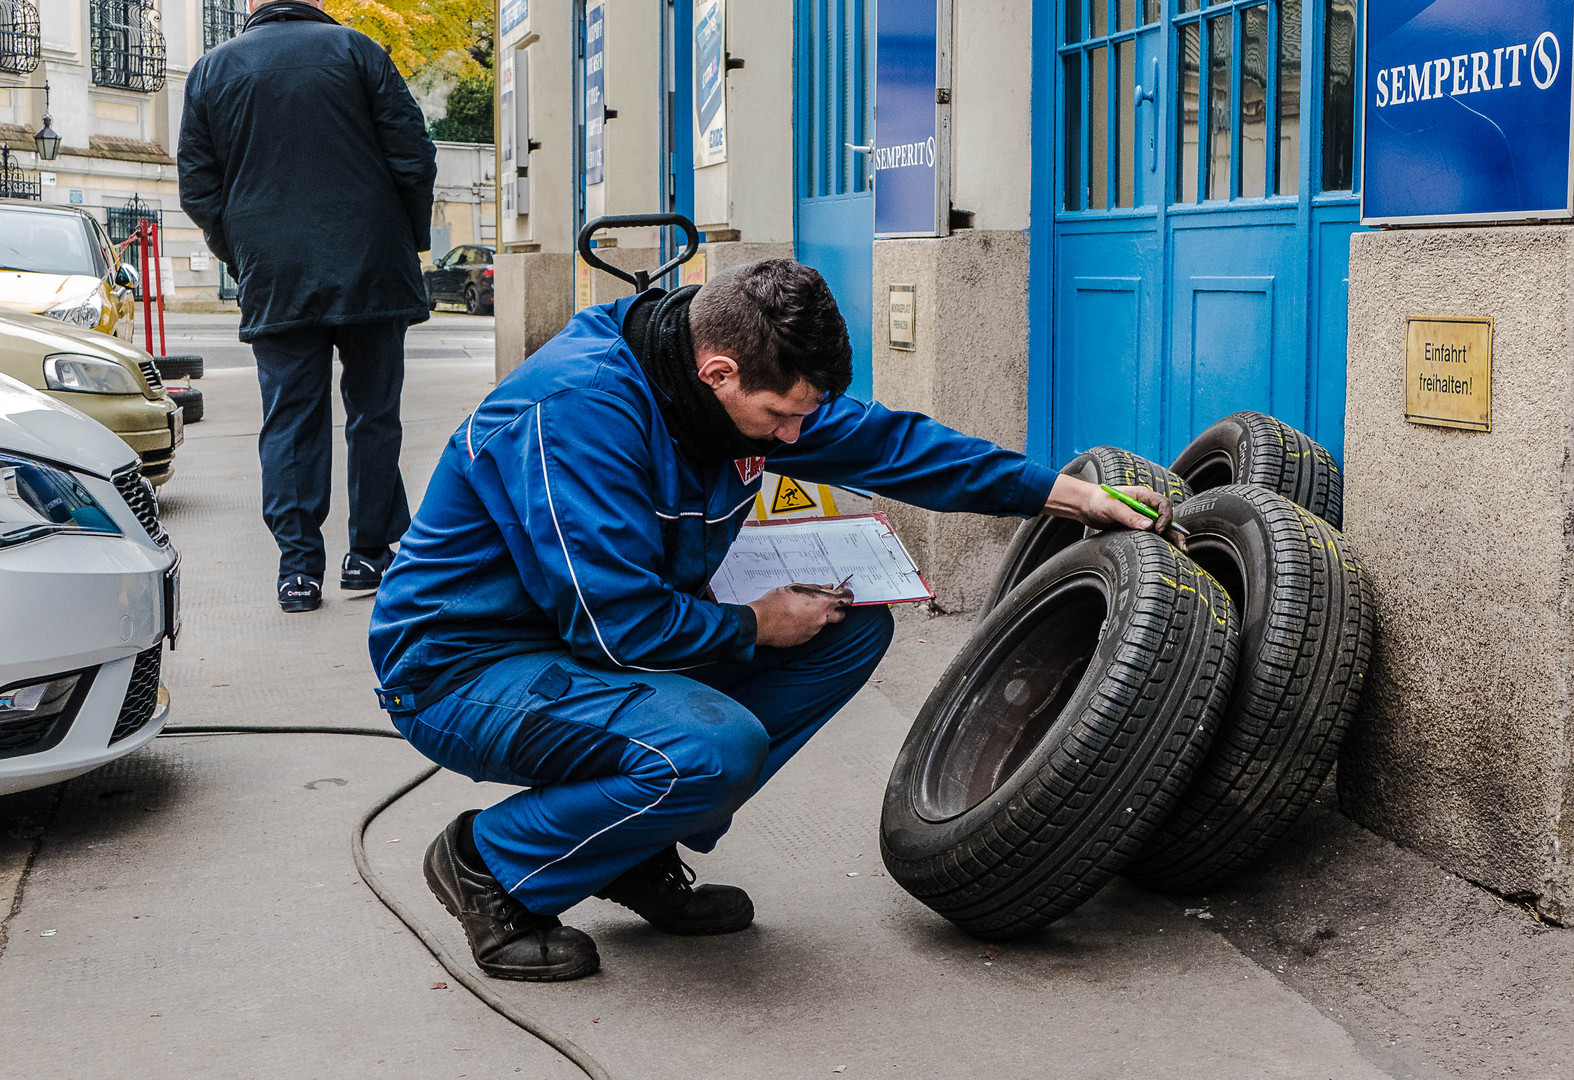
(463, 276)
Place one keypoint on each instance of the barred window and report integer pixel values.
(19, 41)
(221, 20)
(128, 46)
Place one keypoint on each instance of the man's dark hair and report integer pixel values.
(778, 320)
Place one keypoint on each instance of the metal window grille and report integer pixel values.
(19, 40)
(221, 20)
(16, 182)
(128, 46)
(122, 222)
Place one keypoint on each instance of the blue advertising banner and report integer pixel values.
(1467, 110)
(511, 13)
(595, 92)
(906, 189)
(710, 82)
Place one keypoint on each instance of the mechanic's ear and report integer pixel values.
(717, 370)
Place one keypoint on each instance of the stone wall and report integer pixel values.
(1463, 748)
(533, 297)
(969, 371)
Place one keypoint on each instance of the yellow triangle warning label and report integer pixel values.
(791, 496)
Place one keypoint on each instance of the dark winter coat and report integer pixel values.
(306, 163)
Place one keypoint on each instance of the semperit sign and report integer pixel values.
(1448, 372)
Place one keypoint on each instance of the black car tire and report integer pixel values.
(1039, 538)
(1307, 620)
(189, 398)
(178, 367)
(1061, 736)
(472, 301)
(1255, 448)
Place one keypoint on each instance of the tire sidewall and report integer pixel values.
(1113, 568)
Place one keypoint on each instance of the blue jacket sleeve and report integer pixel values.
(569, 482)
(913, 458)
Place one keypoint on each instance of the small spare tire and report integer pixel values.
(1255, 448)
(189, 399)
(1307, 617)
(1038, 538)
(1061, 736)
(178, 367)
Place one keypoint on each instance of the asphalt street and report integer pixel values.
(192, 910)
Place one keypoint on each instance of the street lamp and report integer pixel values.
(48, 139)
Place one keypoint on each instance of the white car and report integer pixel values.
(89, 591)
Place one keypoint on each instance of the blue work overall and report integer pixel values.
(545, 621)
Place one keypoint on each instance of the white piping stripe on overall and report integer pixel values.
(568, 560)
(470, 423)
(670, 785)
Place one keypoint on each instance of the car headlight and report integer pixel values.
(38, 500)
(38, 700)
(86, 313)
(88, 375)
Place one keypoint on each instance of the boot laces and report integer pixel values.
(674, 873)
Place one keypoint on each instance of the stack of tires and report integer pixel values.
(1126, 708)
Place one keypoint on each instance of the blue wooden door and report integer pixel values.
(1212, 278)
(833, 221)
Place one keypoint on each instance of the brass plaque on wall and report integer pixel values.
(1448, 371)
(902, 313)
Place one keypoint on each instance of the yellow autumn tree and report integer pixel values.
(453, 36)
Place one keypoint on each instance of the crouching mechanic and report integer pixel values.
(545, 623)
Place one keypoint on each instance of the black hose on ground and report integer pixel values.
(561, 1043)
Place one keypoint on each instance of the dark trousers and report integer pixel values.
(295, 369)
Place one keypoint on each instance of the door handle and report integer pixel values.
(1150, 93)
(865, 150)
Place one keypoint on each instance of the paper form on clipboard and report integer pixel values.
(821, 551)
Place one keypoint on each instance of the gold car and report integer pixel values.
(112, 382)
(58, 261)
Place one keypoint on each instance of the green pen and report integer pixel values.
(1141, 508)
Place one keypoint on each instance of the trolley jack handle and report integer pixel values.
(640, 279)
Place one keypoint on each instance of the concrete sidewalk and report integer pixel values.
(208, 921)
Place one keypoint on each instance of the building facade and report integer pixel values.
(116, 72)
(1127, 219)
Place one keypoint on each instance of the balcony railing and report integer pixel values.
(128, 46)
(221, 20)
(19, 40)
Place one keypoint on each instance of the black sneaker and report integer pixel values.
(661, 891)
(507, 940)
(297, 592)
(359, 572)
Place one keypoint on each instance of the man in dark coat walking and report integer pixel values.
(307, 165)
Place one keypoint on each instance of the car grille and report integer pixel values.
(24, 736)
(150, 373)
(140, 498)
(141, 695)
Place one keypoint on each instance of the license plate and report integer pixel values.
(177, 429)
(172, 602)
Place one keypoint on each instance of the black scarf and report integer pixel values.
(657, 329)
(286, 11)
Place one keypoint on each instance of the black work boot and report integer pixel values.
(507, 940)
(661, 891)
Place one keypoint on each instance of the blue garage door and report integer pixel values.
(1204, 198)
(833, 128)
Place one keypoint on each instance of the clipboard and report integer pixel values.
(821, 551)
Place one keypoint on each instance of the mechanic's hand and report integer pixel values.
(793, 614)
(1085, 502)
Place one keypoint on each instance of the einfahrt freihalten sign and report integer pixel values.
(1467, 111)
(1448, 372)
